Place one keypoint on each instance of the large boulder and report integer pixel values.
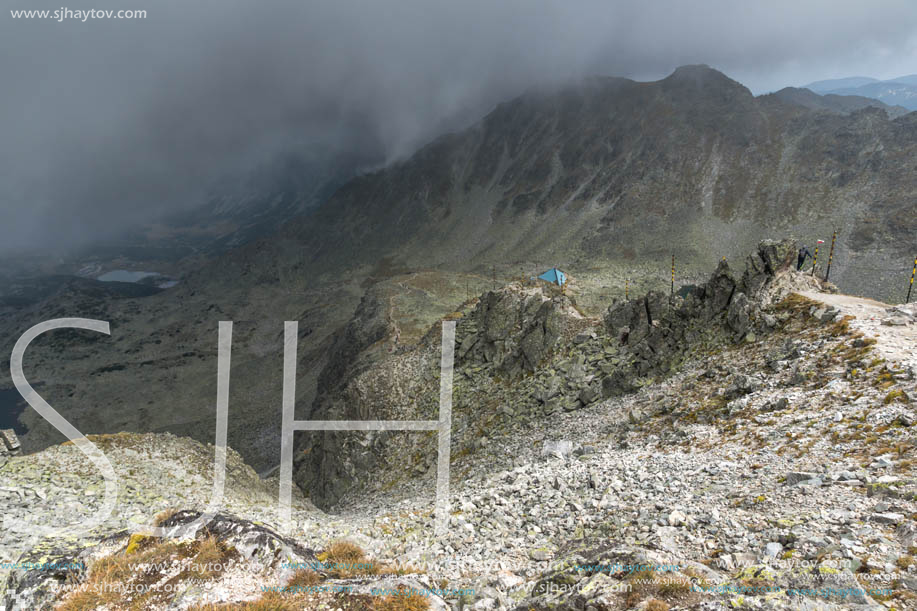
(737, 316)
(9, 442)
(9, 445)
(718, 291)
(770, 258)
(516, 329)
(628, 320)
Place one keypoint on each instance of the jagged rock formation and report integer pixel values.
(523, 353)
(228, 559)
(515, 332)
(257, 550)
(59, 486)
(658, 330)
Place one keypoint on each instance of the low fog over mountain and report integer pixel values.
(109, 122)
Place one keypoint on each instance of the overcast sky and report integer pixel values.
(107, 122)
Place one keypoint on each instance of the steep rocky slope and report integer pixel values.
(763, 460)
(615, 170)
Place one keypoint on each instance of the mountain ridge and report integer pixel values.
(606, 179)
(527, 184)
(901, 91)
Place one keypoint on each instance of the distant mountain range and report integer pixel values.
(901, 91)
(835, 103)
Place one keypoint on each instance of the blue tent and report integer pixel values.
(554, 276)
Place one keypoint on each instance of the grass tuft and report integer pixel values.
(343, 551)
(304, 578)
(120, 581)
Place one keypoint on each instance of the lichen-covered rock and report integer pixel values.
(761, 266)
(737, 317)
(156, 472)
(9, 443)
(516, 329)
(628, 321)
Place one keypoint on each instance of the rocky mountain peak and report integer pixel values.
(702, 77)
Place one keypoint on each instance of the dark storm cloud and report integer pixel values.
(110, 121)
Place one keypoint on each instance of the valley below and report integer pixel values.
(732, 433)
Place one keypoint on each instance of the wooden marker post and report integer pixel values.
(830, 254)
(672, 290)
(911, 286)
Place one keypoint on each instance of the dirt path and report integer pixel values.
(894, 327)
